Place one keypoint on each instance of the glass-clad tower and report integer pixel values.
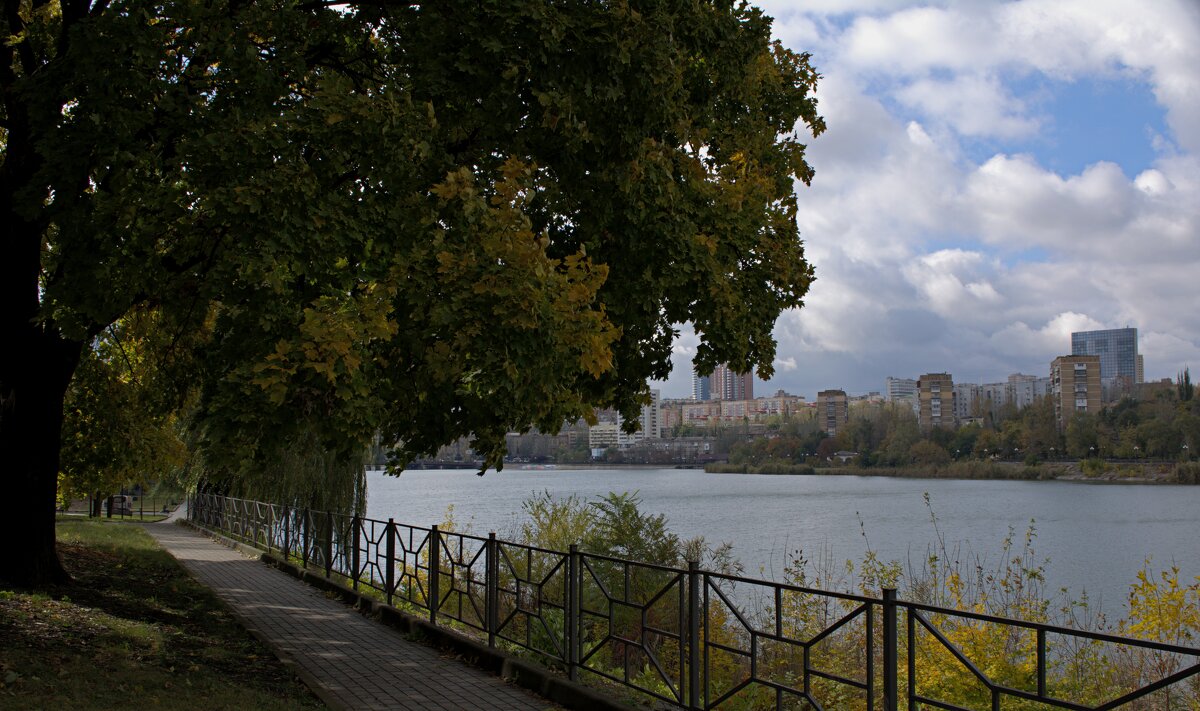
(1117, 348)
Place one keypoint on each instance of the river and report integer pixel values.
(1096, 536)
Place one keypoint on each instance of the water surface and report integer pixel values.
(1096, 536)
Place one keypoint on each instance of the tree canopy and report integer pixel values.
(424, 220)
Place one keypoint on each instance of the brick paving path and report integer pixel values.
(350, 661)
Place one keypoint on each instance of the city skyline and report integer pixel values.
(995, 177)
(1117, 350)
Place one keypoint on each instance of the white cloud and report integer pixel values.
(785, 365)
(1153, 183)
(1019, 203)
(1099, 215)
(974, 104)
(914, 40)
(1051, 340)
(781, 9)
(953, 283)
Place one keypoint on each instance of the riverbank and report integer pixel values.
(1093, 470)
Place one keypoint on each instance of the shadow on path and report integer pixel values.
(348, 660)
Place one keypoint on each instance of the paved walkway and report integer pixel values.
(348, 660)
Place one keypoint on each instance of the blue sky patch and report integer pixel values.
(1084, 122)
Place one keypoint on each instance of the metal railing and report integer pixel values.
(126, 507)
(699, 639)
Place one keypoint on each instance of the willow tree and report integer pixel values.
(428, 220)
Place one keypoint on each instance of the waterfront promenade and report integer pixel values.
(349, 661)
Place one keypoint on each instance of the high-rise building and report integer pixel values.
(833, 410)
(728, 385)
(900, 389)
(1024, 390)
(936, 394)
(1075, 386)
(992, 398)
(701, 387)
(966, 402)
(650, 420)
(1117, 349)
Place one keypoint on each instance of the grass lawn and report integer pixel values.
(132, 631)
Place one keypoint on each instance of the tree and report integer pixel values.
(1082, 438)
(1184, 385)
(964, 440)
(1041, 434)
(903, 433)
(422, 220)
(117, 431)
(928, 454)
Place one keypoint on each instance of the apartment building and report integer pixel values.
(603, 435)
(967, 406)
(833, 410)
(1075, 386)
(779, 404)
(935, 392)
(1024, 390)
(900, 389)
(728, 385)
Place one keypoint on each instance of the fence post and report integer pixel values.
(255, 521)
(694, 646)
(573, 615)
(890, 652)
(305, 535)
(354, 555)
(287, 534)
(491, 592)
(435, 564)
(268, 518)
(328, 543)
(390, 563)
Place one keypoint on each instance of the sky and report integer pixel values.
(994, 176)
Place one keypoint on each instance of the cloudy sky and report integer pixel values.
(995, 176)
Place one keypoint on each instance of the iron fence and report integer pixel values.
(124, 507)
(700, 639)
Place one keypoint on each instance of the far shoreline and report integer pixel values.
(1086, 472)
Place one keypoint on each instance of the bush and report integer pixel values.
(1188, 473)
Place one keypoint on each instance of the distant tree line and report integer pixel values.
(889, 435)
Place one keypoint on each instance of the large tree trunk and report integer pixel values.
(34, 376)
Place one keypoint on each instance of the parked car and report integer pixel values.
(120, 505)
